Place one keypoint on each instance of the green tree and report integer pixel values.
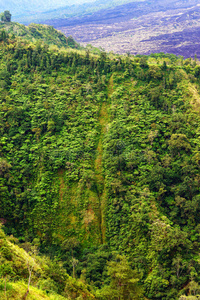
(6, 16)
(124, 281)
(143, 62)
(3, 35)
(178, 142)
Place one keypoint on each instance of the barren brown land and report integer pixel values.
(140, 28)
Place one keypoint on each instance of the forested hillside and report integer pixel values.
(36, 32)
(99, 165)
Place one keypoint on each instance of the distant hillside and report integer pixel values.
(62, 9)
(138, 27)
(31, 7)
(121, 26)
(35, 32)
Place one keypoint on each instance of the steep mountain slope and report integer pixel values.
(99, 156)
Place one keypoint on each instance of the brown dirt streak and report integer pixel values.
(62, 184)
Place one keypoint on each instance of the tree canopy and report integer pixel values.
(6, 16)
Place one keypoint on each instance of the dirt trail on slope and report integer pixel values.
(98, 166)
(62, 184)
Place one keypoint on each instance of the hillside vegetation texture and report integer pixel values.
(99, 171)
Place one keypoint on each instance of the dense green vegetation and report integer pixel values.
(99, 165)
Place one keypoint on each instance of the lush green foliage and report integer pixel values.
(101, 154)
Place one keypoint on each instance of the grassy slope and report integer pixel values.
(16, 260)
(16, 290)
(14, 265)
